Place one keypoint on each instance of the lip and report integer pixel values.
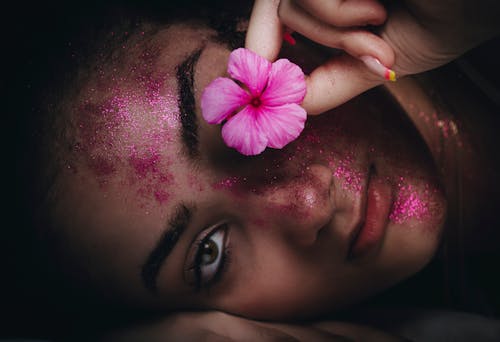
(369, 233)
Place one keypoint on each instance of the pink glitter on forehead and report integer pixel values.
(161, 196)
(144, 164)
(129, 121)
(151, 175)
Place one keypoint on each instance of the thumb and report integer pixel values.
(265, 31)
(335, 82)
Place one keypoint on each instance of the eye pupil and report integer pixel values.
(210, 252)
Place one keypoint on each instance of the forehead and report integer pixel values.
(124, 122)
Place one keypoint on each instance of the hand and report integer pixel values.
(218, 326)
(418, 35)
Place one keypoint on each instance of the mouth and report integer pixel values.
(368, 235)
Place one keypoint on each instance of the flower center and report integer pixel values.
(256, 102)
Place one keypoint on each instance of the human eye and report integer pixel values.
(209, 257)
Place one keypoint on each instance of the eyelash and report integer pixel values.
(223, 263)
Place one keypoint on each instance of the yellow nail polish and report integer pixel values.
(378, 68)
(390, 75)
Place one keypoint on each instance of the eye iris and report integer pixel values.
(210, 252)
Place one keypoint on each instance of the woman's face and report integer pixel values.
(154, 211)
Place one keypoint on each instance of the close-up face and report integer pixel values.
(152, 208)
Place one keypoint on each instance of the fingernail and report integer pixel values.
(378, 68)
(287, 37)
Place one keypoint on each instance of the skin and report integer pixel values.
(289, 212)
(218, 326)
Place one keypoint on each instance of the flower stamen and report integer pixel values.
(256, 102)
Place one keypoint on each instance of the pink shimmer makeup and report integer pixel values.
(125, 122)
(345, 170)
(411, 203)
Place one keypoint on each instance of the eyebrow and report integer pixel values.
(175, 227)
(187, 112)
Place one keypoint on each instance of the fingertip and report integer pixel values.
(385, 53)
(267, 48)
(335, 83)
(265, 32)
(362, 43)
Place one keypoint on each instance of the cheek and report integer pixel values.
(277, 295)
(276, 281)
(422, 204)
(294, 292)
(407, 249)
(414, 232)
(415, 222)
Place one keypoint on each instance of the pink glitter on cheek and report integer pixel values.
(411, 203)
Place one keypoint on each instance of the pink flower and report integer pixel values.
(265, 110)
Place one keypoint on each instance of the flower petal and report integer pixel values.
(242, 132)
(286, 84)
(221, 98)
(282, 124)
(250, 68)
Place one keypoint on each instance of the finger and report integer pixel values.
(265, 31)
(355, 42)
(348, 13)
(335, 82)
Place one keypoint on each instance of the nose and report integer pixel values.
(301, 206)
